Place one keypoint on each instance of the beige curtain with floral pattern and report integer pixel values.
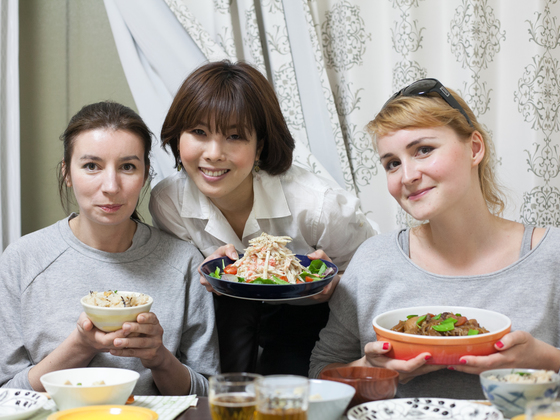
(333, 64)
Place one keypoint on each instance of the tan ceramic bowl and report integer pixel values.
(112, 319)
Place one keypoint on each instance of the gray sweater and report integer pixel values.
(381, 277)
(44, 275)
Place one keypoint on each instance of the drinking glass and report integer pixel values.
(232, 396)
(536, 411)
(282, 397)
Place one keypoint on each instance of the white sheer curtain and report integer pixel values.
(10, 196)
(333, 64)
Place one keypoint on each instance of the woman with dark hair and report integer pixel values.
(235, 180)
(105, 247)
(436, 157)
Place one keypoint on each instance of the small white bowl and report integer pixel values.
(511, 398)
(118, 386)
(334, 399)
(112, 319)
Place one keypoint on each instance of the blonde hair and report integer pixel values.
(410, 112)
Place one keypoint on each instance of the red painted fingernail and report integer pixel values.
(428, 357)
(463, 361)
(499, 344)
(450, 368)
(385, 346)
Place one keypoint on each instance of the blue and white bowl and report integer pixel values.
(511, 398)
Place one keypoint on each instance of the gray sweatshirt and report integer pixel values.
(381, 277)
(44, 275)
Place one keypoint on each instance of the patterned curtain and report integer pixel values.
(333, 64)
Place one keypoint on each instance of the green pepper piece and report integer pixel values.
(444, 326)
(457, 314)
(410, 316)
(419, 321)
(279, 280)
(438, 316)
(473, 332)
(449, 321)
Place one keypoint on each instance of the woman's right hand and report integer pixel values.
(223, 251)
(92, 339)
(408, 369)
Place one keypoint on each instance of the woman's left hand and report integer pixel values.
(517, 349)
(143, 339)
(326, 293)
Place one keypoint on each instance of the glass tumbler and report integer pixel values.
(232, 396)
(282, 397)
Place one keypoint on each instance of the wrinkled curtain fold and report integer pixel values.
(10, 190)
(333, 64)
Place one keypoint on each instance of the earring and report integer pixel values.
(256, 165)
(179, 165)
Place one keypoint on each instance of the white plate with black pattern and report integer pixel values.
(18, 404)
(424, 409)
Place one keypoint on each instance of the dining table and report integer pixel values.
(200, 412)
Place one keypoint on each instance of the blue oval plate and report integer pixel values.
(265, 292)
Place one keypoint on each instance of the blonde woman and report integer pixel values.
(436, 158)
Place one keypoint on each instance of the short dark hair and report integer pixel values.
(101, 115)
(218, 92)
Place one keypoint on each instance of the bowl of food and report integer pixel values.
(446, 332)
(328, 400)
(110, 309)
(510, 390)
(370, 383)
(71, 388)
(269, 271)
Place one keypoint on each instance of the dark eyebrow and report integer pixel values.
(408, 146)
(98, 159)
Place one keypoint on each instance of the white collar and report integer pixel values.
(269, 202)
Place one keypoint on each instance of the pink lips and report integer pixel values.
(419, 194)
(110, 208)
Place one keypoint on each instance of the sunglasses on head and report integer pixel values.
(424, 87)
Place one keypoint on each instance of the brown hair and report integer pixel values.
(218, 92)
(409, 112)
(101, 115)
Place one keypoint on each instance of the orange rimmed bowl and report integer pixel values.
(444, 350)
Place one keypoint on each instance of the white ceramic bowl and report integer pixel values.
(512, 397)
(335, 397)
(112, 319)
(444, 350)
(119, 384)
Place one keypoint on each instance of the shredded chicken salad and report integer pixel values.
(269, 261)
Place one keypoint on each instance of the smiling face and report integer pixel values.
(219, 164)
(431, 170)
(107, 173)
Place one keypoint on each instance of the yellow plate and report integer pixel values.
(519, 417)
(102, 412)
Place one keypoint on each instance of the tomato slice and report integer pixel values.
(230, 269)
(461, 321)
(309, 279)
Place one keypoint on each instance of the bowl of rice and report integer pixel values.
(510, 390)
(110, 309)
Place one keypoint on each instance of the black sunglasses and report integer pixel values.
(424, 87)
